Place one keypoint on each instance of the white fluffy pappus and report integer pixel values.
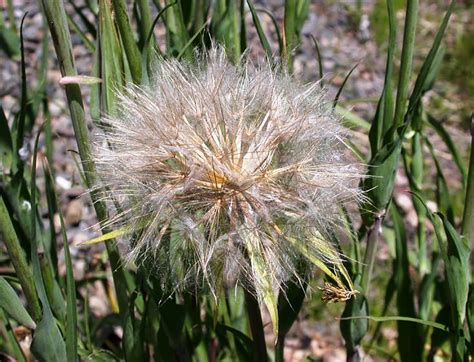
(228, 175)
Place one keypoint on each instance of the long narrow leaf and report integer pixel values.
(48, 343)
(260, 32)
(71, 311)
(11, 303)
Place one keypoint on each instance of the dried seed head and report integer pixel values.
(228, 175)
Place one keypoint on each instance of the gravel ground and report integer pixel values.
(342, 47)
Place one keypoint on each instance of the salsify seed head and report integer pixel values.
(228, 175)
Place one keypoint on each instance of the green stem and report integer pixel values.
(256, 326)
(289, 27)
(468, 215)
(145, 18)
(406, 60)
(18, 258)
(57, 21)
(369, 257)
(128, 40)
(280, 349)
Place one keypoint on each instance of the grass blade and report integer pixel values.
(468, 213)
(110, 54)
(176, 34)
(6, 144)
(320, 60)
(384, 113)
(448, 141)
(290, 302)
(406, 60)
(410, 343)
(277, 29)
(187, 47)
(432, 324)
(128, 40)
(143, 19)
(260, 32)
(19, 262)
(427, 68)
(10, 342)
(289, 33)
(71, 309)
(11, 304)
(339, 91)
(47, 343)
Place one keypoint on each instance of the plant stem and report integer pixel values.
(280, 349)
(57, 21)
(256, 326)
(289, 32)
(369, 257)
(129, 45)
(468, 215)
(22, 269)
(406, 60)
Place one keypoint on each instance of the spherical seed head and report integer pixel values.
(227, 175)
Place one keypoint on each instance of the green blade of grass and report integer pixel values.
(82, 35)
(428, 288)
(187, 46)
(339, 91)
(10, 341)
(290, 301)
(319, 57)
(51, 286)
(260, 32)
(47, 343)
(354, 324)
(427, 68)
(224, 28)
(290, 32)
(277, 29)
(152, 27)
(442, 190)
(468, 213)
(19, 125)
(9, 40)
(19, 262)
(128, 40)
(143, 19)
(448, 141)
(147, 48)
(11, 304)
(90, 27)
(409, 341)
(458, 253)
(455, 250)
(384, 113)
(71, 310)
(409, 34)
(39, 92)
(111, 60)
(243, 27)
(432, 324)
(176, 34)
(6, 144)
(416, 172)
(388, 81)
